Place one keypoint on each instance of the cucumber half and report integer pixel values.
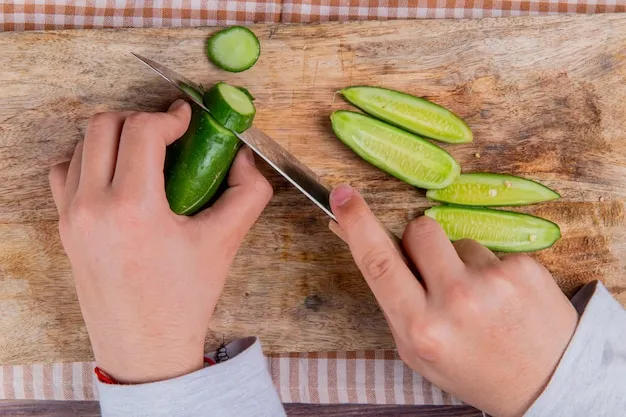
(502, 231)
(411, 113)
(230, 106)
(487, 189)
(234, 49)
(397, 152)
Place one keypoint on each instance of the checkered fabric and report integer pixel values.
(58, 14)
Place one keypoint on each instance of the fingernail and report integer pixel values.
(341, 194)
(177, 104)
(250, 156)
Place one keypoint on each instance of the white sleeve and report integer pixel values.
(239, 387)
(590, 379)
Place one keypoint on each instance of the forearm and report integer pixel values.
(591, 376)
(238, 387)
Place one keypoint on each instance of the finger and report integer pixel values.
(57, 178)
(475, 255)
(398, 292)
(100, 150)
(143, 141)
(432, 252)
(236, 211)
(73, 172)
(338, 231)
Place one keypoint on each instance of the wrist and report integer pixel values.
(153, 365)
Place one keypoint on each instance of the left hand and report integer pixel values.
(147, 279)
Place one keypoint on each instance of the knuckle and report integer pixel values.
(378, 263)
(138, 120)
(81, 213)
(99, 120)
(424, 340)
(422, 228)
(519, 264)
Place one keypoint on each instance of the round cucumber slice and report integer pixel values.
(234, 49)
(491, 190)
(230, 106)
(499, 230)
(411, 113)
(397, 152)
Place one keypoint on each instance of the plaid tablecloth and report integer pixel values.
(374, 377)
(58, 14)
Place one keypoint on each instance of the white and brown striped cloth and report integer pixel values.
(362, 377)
(17, 15)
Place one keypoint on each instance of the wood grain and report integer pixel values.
(544, 97)
(92, 409)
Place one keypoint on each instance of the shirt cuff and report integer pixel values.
(590, 379)
(238, 387)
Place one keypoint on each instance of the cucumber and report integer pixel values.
(487, 189)
(197, 163)
(191, 91)
(411, 113)
(247, 92)
(230, 106)
(397, 152)
(234, 49)
(499, 230)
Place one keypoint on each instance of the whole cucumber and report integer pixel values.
(197, 163)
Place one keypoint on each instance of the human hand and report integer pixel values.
(488, 330)
(147, 279)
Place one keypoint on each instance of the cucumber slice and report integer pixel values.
(502, 231)
(230, 106)
(487, 189)
(411, 113)
(197, 163)
(247, 92)
(191, 91)
(397, 152)
(234, 49)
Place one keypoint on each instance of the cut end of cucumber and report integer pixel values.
(502, 231)
(411, 113)
(234, 49)
(236, 99)
(402, 154)
(230, 106)
(492, 190)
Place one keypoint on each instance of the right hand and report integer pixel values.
(488, 330)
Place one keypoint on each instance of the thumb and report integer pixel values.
(236, 211)
(397, 290)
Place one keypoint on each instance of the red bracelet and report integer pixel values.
(108, 379)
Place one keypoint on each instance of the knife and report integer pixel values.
(270, 151)
(275, 155)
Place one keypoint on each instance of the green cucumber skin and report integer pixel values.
(455, 168)
(218, 62)
(228, 118)
(548, 193)
(247, 92)
(547, 227)
(351, 94)
(197, 163)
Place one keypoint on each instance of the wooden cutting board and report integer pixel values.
(544, 97)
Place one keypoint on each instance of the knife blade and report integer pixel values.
(298, 174)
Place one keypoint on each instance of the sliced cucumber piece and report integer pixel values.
(230, 106)
(397, 152)
(234, 49)
(502, 231)
(191, 91)
(487, 189)
(411, 113)
(247, 92)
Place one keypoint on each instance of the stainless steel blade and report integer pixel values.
(269, 150)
